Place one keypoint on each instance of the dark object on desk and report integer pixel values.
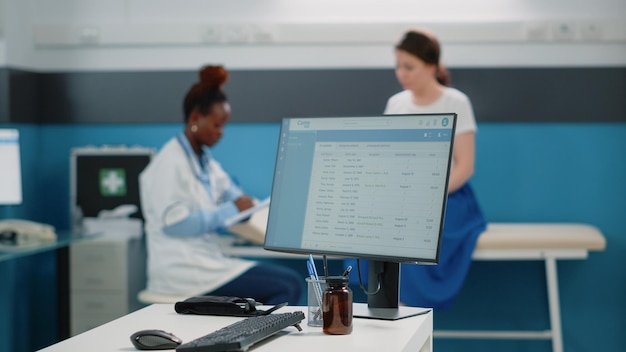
(222, 305)
(8, 237)
(154, 340)
(244, 333)
(337, 306)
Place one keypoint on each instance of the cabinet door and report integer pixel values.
(99, 265)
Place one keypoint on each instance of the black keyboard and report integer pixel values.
(243, 334)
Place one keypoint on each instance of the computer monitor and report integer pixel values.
(104, 178)
(369, 187)
(11, 174)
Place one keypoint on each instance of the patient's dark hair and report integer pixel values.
(208, 91)
(426, 48)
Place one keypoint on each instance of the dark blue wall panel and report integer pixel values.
(498, 95)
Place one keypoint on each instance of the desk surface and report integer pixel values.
(409, 334)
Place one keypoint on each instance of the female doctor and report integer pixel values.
(186, 197)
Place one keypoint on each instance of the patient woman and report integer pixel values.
(425, 82)
(425, 90)
(186, 197)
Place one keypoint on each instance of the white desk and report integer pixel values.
(547, 242)
(409, 334)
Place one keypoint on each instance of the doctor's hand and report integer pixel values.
(244, 202)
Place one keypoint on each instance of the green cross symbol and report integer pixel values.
(113, 182)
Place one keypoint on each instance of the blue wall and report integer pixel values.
(537, 172)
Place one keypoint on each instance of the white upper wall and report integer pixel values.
(51, 35)
(2, 51)
(2, 15)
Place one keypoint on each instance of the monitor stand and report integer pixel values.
(384, 305)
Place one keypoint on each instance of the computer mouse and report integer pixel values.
(154, 340)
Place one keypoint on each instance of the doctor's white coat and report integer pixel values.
(183, 265)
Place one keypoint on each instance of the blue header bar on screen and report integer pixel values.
(387, 122)
(421, 135)
(436, 127)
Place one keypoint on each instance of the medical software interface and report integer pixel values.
(371, 185)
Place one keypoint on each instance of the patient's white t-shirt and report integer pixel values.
(452, 100)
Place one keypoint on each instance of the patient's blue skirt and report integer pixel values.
(436, 286)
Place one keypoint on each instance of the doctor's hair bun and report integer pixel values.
(208, 91)
(214, 76)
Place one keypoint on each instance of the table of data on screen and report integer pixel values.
(359, 189)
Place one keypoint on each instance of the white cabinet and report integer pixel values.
(106, 273)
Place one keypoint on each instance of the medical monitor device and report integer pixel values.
(370, 187)
(105, 178)
(11, 174)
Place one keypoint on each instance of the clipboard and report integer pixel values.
(255, 227)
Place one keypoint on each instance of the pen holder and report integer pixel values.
(315, 289)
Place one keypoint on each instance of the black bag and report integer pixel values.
(222, 305)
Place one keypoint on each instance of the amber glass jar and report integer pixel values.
(337, 306)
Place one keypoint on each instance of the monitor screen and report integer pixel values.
(104, 179)
(362, 187)
(11, 174)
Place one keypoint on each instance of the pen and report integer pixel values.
(313, 269)
(315, 278)
(347, 272)
(310, 265)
